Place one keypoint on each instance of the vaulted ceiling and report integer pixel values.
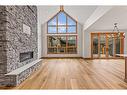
(79, 13)
(92, 16)
(117, 14)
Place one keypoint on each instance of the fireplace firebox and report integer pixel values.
(26, 56)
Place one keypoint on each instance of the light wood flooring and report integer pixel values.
(77, 74)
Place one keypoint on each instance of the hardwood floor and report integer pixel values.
(77, 74)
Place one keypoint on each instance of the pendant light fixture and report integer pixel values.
(118, 34)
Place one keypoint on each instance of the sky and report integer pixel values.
(62, 21)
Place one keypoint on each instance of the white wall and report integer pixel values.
(87, 42)
(39, 34)
(44, 43)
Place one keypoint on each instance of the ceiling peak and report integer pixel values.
(61, 8)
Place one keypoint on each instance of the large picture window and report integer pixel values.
(62, 34)
(62, 44)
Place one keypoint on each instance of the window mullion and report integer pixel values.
(66, 43)
(66, 24)
(66, 35)
(57, 23)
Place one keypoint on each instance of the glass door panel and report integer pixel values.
(95, 46)
(111, 46)
(102, 45)
(117, 46)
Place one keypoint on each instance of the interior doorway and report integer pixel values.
(106, 45)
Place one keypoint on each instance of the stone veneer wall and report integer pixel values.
(3, 57)
(13, 40)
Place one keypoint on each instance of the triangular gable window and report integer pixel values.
(62, 34)
(62, 23)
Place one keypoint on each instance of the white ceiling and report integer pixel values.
(79, 13)
(116, 14)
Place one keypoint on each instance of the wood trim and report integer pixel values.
(109, 58)
(78, 58)
(99, 45)
(125, 69)
(56, 24)
(70, 16)
(61, 25)
(66, 42)
(122, 45)
(105, 32)
(87, 58)
(114, 46)
(91, 45)
(106, 49)
(62, 58)
(53, 16)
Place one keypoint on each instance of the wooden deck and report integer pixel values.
(77, 74)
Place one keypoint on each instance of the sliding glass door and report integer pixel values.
(103, 45)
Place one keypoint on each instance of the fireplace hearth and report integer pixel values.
(26, 56)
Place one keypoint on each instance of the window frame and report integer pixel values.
(66, 34)
(66, 47)
(66, 26)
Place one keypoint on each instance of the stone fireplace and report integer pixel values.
(18, 44)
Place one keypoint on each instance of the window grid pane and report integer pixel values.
(72, 41)
(52, 29)
(62, 30)
(70, 21)
(61, 18)
(71, 29)
(53, 21)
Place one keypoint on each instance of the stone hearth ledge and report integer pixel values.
(19, 75)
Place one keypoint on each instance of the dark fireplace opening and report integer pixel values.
(26, 56)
